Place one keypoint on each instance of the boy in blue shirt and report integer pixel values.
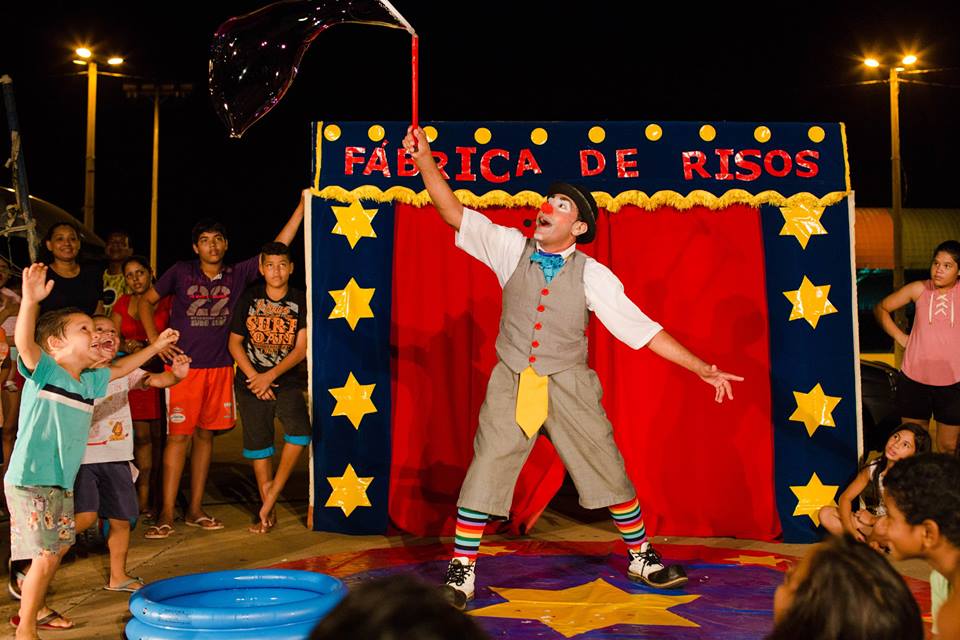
(56, 357)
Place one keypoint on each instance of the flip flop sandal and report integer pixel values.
(158, 532)
(15, 580)
(44, 622)
(260, 529)
(126, 586)
(204, 522)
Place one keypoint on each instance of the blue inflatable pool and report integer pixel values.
(257, 604)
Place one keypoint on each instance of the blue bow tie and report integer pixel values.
(550, 263)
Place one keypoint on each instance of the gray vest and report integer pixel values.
(544, 326)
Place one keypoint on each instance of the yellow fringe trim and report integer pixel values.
(498, 198)
(846, 160)
(319, 136)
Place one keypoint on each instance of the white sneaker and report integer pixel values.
(647, 567)
(459, 581)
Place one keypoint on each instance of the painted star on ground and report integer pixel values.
(354, 222)
(494, 550)
(353, 400)
(815, 409)
(349, 491)
(352, 303)
(802, 222)
(589, 606)
(810, 302)
(812, 497)
(760, 561)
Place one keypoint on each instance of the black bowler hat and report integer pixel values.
(586, 206)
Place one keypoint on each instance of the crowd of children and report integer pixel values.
(70, 454)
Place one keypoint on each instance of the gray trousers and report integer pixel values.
(576, 425)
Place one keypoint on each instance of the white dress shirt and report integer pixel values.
(501, 248)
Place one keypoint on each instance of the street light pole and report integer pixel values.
(896, 213)
(154, 184)
(91, 144)
(156, 91)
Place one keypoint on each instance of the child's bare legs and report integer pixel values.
(33, 594)
(830, 520)
(143, 456)
(271, 487)
(288, 458)
(174, 457)
(947, 438)
(118, 542)
(263, 472)
(199, 469)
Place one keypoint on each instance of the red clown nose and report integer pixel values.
(546, 207)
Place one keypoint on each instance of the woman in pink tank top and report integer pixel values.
(930, 375)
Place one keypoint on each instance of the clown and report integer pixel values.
(542, 381)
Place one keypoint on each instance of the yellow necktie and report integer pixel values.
(531, 401)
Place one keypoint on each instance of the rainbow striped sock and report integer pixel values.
(629, 520)
(470, 526)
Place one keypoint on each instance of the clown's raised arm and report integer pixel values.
(440, 192)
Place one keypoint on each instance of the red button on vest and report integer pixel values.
(533, 358)
(538, 326)
(535, 344)
(545, 292)
(540, 308)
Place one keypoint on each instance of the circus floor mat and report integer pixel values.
(535, 589)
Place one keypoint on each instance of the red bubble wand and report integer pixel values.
(254, 58)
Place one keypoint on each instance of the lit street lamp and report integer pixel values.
(86, 57)
(899, 67)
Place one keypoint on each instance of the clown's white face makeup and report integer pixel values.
(557, 224)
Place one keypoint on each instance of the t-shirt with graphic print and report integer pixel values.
(55, 414)
(269, 329)
(202, 307)
(114, 286)
(111, 432)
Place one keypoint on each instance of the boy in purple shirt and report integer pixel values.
(205, 293)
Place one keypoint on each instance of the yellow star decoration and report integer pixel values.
(810, 302)
(802, 222)
(353, 400)
(815, 409)
(763, 561)
(352, 303)
(587, 607)
(812, 497)
(349, 491)
(354, 222)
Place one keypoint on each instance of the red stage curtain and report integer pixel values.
(700, 468)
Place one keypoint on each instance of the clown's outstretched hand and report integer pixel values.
(668, 348)
(720, 380)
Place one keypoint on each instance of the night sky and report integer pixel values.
(479, 61)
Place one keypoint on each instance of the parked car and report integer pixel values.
(878, 385)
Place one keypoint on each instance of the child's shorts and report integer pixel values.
(919, 401)
(257, 417)
(203, 399)
(107, 489)
(41, 520)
